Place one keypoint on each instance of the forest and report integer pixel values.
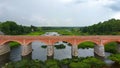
(110, 27)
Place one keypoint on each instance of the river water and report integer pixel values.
(41, 54)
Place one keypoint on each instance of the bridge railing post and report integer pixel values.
(26, 49)
(74, 50)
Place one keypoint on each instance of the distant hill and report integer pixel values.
(110, 27)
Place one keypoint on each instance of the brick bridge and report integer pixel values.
(25, 41)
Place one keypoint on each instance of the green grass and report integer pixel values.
(87, 44)
(61, 31)
(14, 44)
(36, 33)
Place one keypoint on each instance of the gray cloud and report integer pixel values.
(115, 6)
(55, 12)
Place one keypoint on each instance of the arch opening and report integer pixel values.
(15, 49)
(86, 48)
(35, 42)
(111, 46)
(39, 49)
(12, 43)
(63, 51)
(86, 44)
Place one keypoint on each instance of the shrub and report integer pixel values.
(43, 46)
(51, 63)
(65, 61)
(111, 47)
(79, 65)
(61, 46)
(25, 64)
(115, 57)
(94, 62)
(87, 44)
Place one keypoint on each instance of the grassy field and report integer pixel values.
(60, 31)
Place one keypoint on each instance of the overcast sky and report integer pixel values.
(59, 12)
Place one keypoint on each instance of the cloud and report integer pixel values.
(116, 15)
(57, 12)
(114, 5)
(66, 1)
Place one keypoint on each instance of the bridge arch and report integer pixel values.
(5, 42)
(109, 41)
(95, 42)
(88, 41)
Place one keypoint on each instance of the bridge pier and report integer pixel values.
(26, 50)
(74, 50)
(4, 49)
(99, 50)
(118, 48)
(50, 51)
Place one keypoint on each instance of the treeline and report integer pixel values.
(11, 28)
(110, 27)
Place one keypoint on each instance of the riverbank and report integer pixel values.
(89, 62)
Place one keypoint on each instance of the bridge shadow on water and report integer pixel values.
(4, 59)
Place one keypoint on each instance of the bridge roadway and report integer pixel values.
(26, 41)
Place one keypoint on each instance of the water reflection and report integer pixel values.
(38, 52)
(15, 54)
(29, 57)
(41, 54)
(62, 53)
(85, 52)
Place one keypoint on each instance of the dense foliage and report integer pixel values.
(43, 46)
(52, 63)
(110, 27)
(60, 46)
(89, 62)
(115, 57)
(11, 28)
(87, 44)
(111, 47)
(25, 64)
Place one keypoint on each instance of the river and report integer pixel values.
(41, 54)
